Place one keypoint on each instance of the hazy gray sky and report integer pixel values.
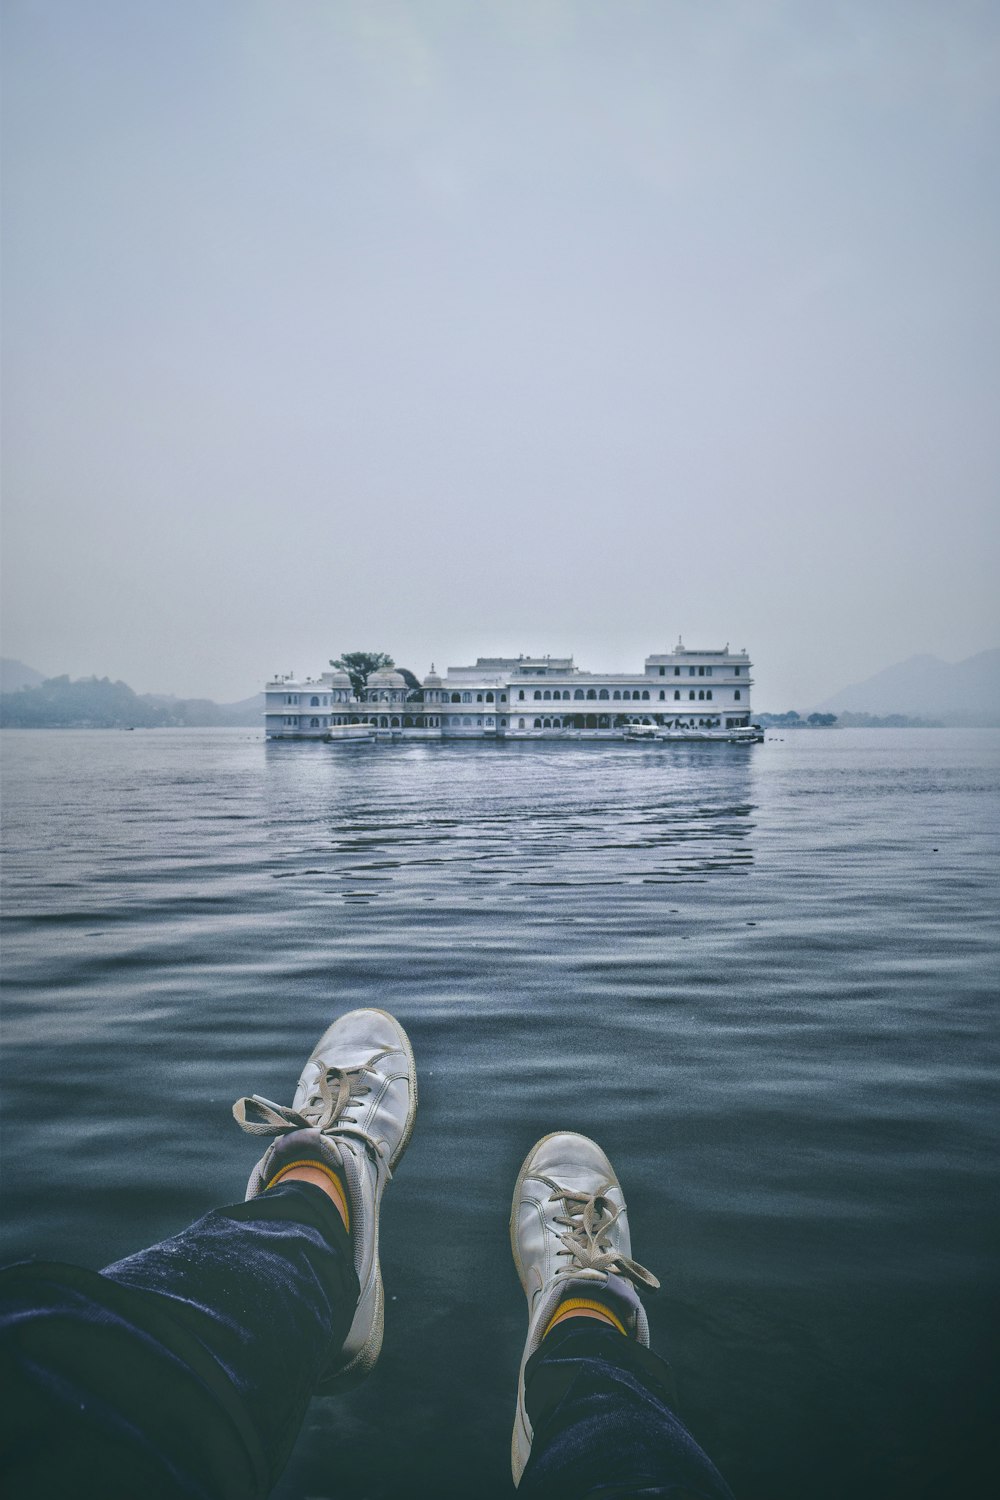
(458, 328)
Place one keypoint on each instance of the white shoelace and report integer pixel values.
(335, 1091)
(588, 1219)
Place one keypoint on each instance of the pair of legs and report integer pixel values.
(187, 1369)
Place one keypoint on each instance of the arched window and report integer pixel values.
(466, 697)
(479, 723)
(407, 722)
(503, 723)
(456, 697)
(616, 693)
(557, 723)
(489, 697)
(538, 723)
(383, 722)
(479, 697)
(662, 693)
(520, 693)
(691, 693)
(645, 694)
(676, 693)
(578, 693)
(591, 693)
(538, 692)
(395, 721)
(520, 722)
(603, 693)
(736, 694)
(314, 702)
(546, 694)
(313, 723)
(546, 723)
(467, 723)
(701, 692)
(626, 694)
(709, 693)
(503, 697)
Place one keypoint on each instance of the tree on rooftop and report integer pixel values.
(359, 665)
(414, 691)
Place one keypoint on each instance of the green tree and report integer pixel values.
(359, 665)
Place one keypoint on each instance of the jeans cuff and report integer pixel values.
(553, 1367)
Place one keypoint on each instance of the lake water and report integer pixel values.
(765, 977)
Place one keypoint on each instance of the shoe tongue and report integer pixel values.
(298, 1145)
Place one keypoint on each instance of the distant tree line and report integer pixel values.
(792, 720)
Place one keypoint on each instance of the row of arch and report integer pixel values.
(480, 698)
(612, 721)
(624, 695)
(456, 721)
(565, 693)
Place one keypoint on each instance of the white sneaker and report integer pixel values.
(569, 1234)
(357, 1098)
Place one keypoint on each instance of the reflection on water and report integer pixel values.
(505, 824)
(763, 976)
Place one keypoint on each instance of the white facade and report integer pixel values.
(524, 698)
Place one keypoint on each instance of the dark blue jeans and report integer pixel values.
(186, 1370)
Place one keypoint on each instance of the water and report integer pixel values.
(764, 977)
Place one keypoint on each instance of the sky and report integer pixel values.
(451, 329)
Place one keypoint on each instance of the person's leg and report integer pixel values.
(186, 1369)
(594, 1415)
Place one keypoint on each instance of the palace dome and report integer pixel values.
(339, 680)
(385, 677)
(432, 680)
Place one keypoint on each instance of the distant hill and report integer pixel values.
(14, 675)
(204, 711)
(99, 703)
(965, 692)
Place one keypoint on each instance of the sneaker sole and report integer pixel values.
(364, 1361)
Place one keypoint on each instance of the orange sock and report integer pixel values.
(583, 1304)
(317, 1166)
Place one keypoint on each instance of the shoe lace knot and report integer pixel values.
(327, 1106)
(587, 1220)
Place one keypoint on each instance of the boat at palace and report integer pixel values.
(680, 695)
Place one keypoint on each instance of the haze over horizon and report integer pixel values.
(455, 330)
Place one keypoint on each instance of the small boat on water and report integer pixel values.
(749, 734)
(350, 734)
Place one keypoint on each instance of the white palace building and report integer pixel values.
(682, 694)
